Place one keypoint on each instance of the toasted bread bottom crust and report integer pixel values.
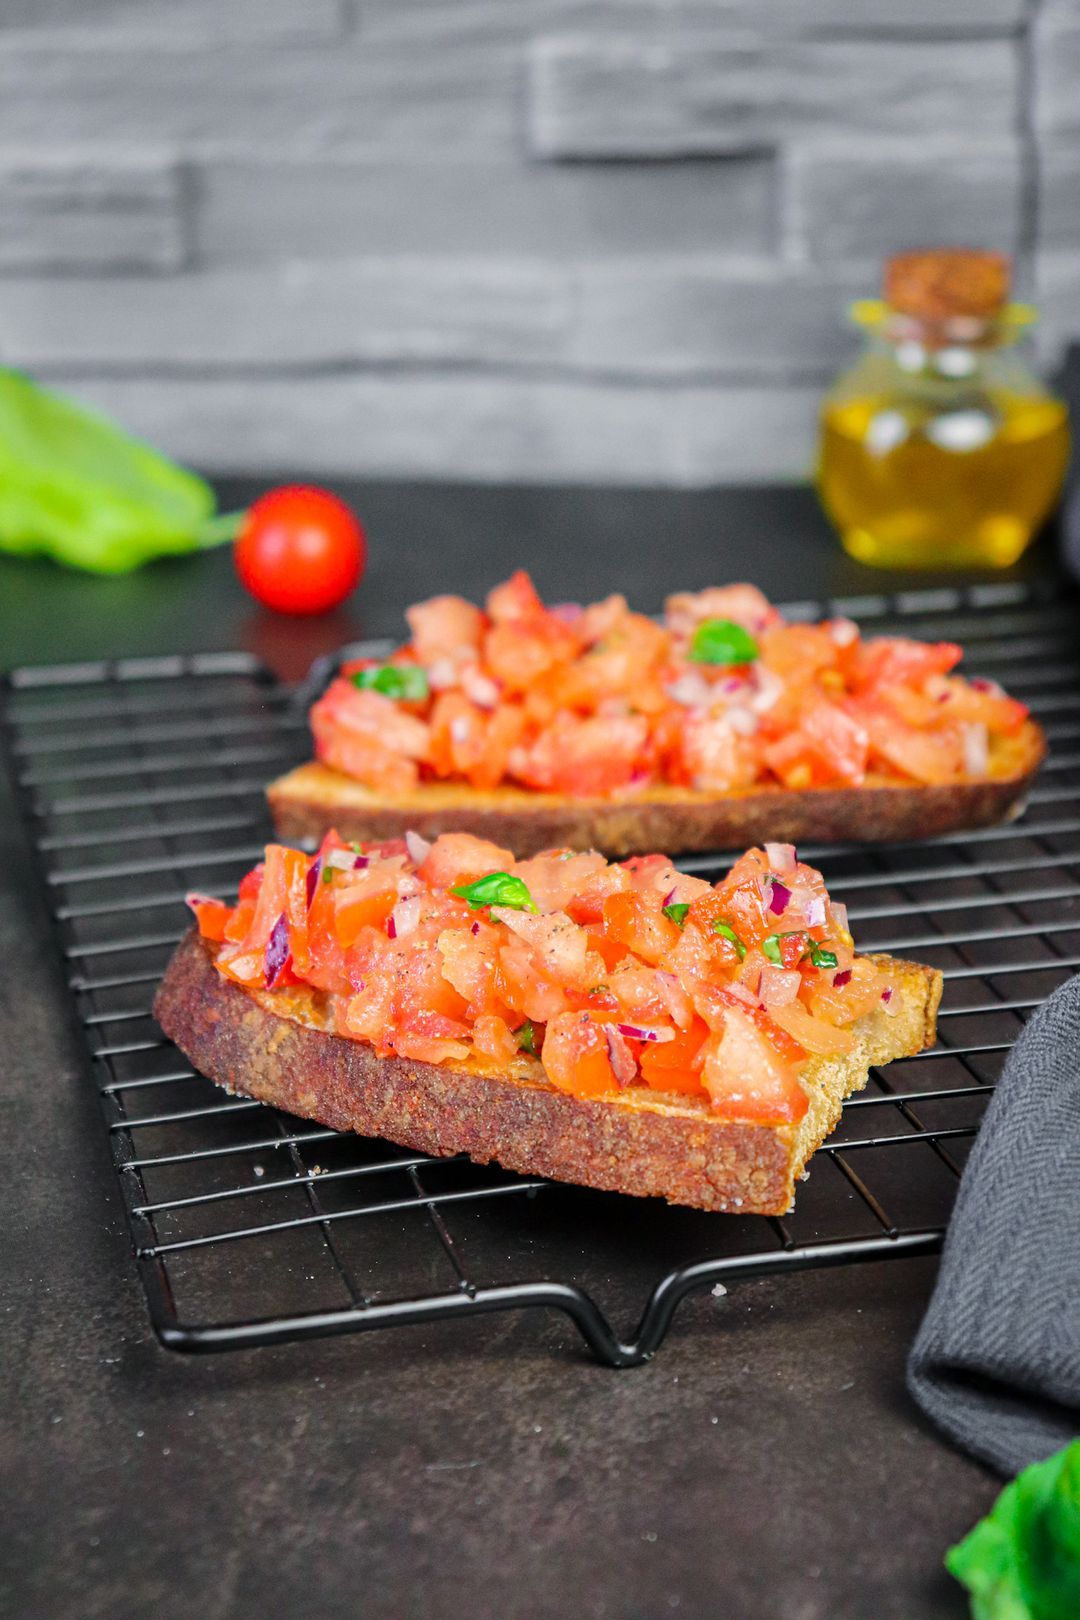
(313, 798)
(637, 1141)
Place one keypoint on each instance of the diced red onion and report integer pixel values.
(277, 957)
(815, 912)
(842, 632)
(691, 691)
(343, 860)
(620, 1056)
(669, 898)
(675, 998)
(769, 689)
(314, 873)
(404, 918)
(730, 685)
(419, 848)
(979, 683)
(943, 697)
(567, 612)
(743, 993)
(781, 857)
(475, 929)
(743, 722)
(779, 986)
(442, 674)
(890, 1003)
(779, 897)
(976, 750)
(479, 688)
(839, 911)
(642, 1032)
(841, 978)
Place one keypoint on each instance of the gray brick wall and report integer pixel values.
(547, 239)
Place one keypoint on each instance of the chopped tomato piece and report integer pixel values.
(577, 1057)
(895, 661)
(515, 600)
(444, 626)
(494, 1038)
(363, 904)
(630, 920)
(744, 1074)
(369, 736)
(676, 1065)
(585, 758)
(210, 915)
(457, 858)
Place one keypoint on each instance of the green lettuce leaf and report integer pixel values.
(76, 487)
(1022, 1562)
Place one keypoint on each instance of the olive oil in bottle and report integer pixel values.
(940, 448)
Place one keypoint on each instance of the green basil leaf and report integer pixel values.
(497, 889)
(76, 487)
(526, 1038)
(407, 682)
(822, 958)
(1022, 1562)
(722, 641)
(677, 911)
(726, 931)
(771, 947)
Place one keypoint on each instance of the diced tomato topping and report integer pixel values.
(600, 976)
(601, 702)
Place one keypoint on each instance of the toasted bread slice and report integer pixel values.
(274, 1047)
(313, 798)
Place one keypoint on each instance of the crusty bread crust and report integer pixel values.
(635, 1141)
(313, 798)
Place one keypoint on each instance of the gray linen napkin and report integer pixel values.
(996, 1361)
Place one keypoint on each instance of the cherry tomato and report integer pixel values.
(300, 550)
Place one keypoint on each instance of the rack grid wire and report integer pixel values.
(140, 780)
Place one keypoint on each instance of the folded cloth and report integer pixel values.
(996, 1361)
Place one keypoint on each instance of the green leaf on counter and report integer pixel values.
(1022, 1562)
(75, 487)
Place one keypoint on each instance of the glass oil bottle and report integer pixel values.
(940, 448)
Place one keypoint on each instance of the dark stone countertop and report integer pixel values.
(767, 1463)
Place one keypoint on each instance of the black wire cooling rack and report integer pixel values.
(142, 779)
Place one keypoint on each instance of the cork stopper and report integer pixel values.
(940, 284)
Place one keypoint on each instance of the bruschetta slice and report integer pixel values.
(622, 1026)
(598, 728)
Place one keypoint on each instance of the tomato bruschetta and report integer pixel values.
(598, 727)
(623, 1026)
